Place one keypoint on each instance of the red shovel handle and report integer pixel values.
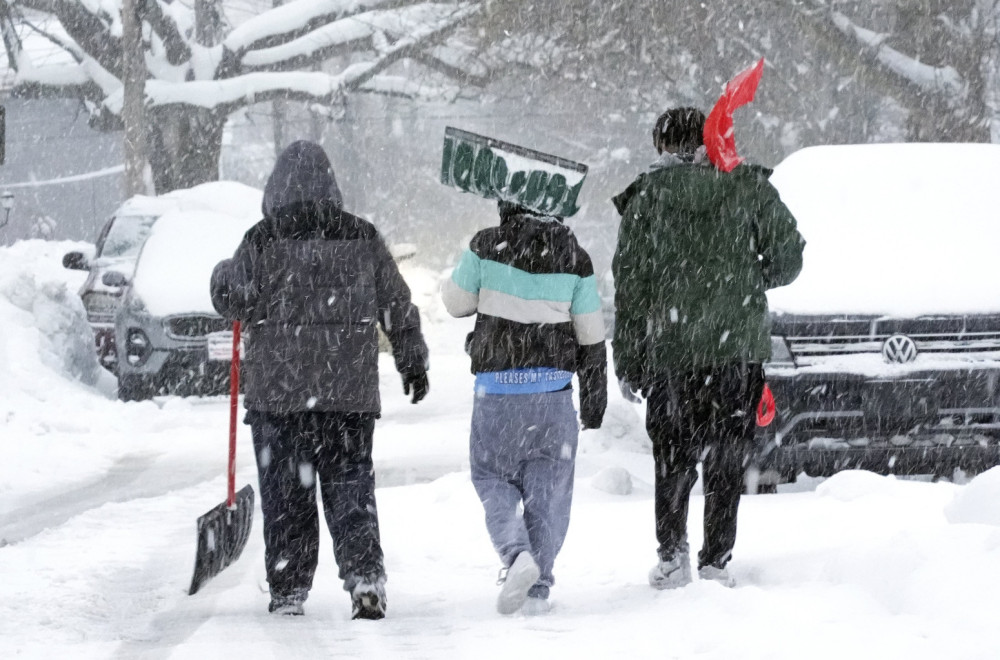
(234, 393)
(766, 409)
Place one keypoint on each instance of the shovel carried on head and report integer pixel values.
(224, 530)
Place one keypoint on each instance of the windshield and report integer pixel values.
(126, 236)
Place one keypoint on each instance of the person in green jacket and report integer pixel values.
(697, 250)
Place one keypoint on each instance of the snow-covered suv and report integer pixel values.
(168, 336)
(121, 239)
(886, 349)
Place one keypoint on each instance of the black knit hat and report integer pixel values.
(508, 209)
(680, 127)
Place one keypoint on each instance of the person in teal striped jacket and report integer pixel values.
(538, 322)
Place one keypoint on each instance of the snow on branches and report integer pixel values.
(274, 54)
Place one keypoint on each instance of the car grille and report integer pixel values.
(931, 335)
(195, 326)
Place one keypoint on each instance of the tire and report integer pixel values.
(135, 388)
(761, 483)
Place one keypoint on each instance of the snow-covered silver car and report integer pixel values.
(169, 338)
(121, 239)
(116, 249)
(886, 349)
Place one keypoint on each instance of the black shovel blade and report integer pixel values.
(222, 535)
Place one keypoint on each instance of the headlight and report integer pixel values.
(137, 347)
(780, 353)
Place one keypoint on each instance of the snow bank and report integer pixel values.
(851, 485)
(47, 366)
(978, 502)
(613, 480)
(425, 286)
(44, 323)
(896, 229)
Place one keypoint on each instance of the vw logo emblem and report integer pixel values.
(899, 349)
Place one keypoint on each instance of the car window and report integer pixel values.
(126, 236)
(103, 235)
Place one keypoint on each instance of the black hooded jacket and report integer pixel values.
(309, 282)
(534, 293)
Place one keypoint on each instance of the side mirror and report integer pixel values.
(114, 278)
(75, 261)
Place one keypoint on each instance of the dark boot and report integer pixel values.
(368, 599)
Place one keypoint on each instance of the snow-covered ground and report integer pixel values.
(98, 501)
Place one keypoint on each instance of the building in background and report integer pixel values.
(64, 175)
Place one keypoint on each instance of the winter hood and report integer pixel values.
(302, 174)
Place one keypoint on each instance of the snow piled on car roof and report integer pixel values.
(228, 197)
(175, 266)
(894, 229)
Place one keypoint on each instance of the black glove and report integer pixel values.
(630, 392)
(418, 381)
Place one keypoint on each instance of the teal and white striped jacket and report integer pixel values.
(535, 293)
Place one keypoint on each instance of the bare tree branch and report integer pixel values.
(92, 32)
(374, 30)
(294, 20)
(231, 93)
(67, 46)
(175, 45)
(461, 75)
(86, 90)
(907, 70)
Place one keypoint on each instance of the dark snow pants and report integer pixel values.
(708, 415)
(295, 454)
(523, 451)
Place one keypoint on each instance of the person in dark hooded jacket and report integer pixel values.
(538, 322)
(309, 283)
(697, 250)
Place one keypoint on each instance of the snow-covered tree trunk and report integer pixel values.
(990, 65)
(186, 143)
(134, 83)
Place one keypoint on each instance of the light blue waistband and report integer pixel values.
(532, 380)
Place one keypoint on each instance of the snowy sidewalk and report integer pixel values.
(99, 501)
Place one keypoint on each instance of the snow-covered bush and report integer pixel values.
(44, 227)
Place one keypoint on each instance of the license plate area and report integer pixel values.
(220, 345)
(900, 400)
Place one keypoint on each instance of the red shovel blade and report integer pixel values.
(766, 408)
(718, 134)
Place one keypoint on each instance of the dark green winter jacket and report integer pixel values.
(697, 250)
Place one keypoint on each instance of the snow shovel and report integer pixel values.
(766, 408)
(223, 531)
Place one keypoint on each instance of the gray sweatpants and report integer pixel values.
(523, 450)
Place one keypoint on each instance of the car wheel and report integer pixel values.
(135, 388)
(759, 482)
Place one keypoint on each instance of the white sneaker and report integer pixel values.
(720, 575)
(536, 607)
(671, 574)
(521, 576)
